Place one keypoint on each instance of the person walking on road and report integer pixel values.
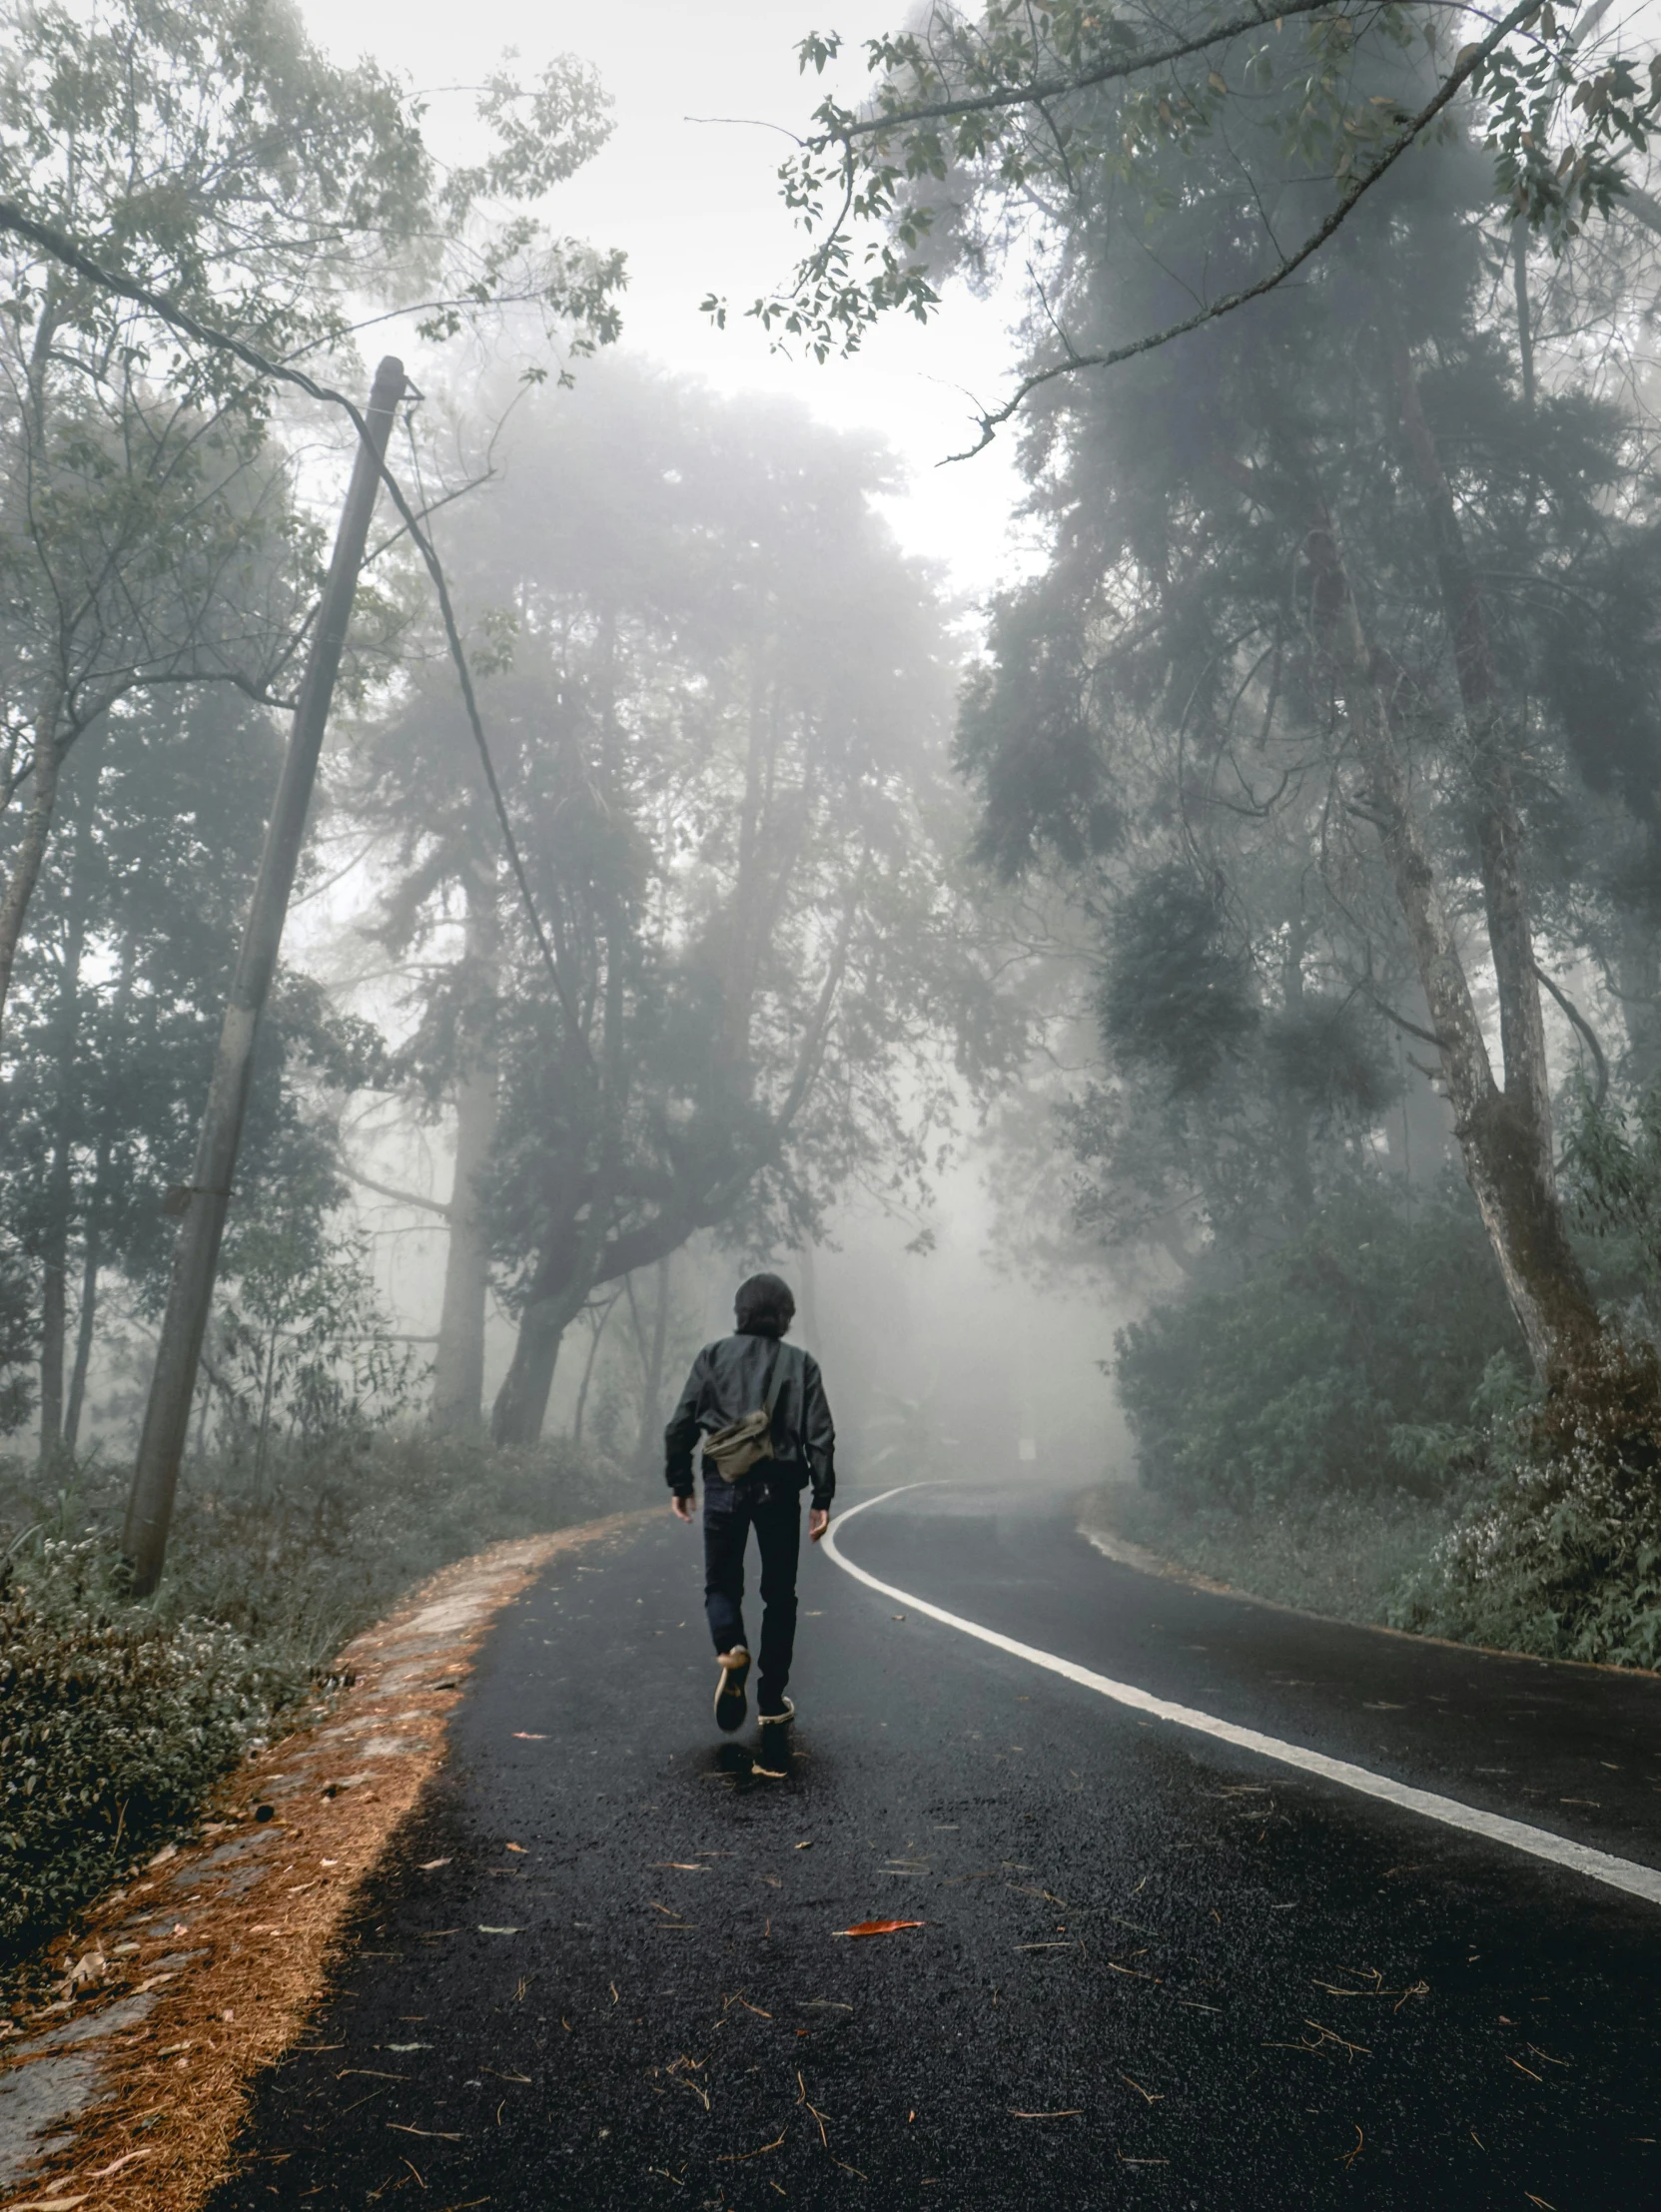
(758, 1407)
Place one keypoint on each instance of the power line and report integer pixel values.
(17, 220)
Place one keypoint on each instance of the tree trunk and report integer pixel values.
(1638, 980)
(648, 1442)
(459, 1364)
(31, 848)
(60, 1173)
(1293, 1113)
(596, 1329)
(1498, 1133)
(91, 1259)
(97, 1198)
(1502, 844)
(523, 1401)
(559, 1289)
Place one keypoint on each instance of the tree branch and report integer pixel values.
(1054, 88)
(1585, 1029)
(17, 220)
(1471, 61)
(403, 1198)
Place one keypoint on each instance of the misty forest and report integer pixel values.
(1180, 1006)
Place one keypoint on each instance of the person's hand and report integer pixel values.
(818, 1520)
(680, 1507)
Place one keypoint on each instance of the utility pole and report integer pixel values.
(196, 1253)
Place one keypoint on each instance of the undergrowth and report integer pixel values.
(1556, 1548)
(1352, 1429)
(117, 1719)
(1344, 1557)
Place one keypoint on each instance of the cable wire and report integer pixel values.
(21, 224)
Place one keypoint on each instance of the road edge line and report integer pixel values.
(1614, 1872)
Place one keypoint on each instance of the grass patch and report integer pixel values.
(1345, 1557)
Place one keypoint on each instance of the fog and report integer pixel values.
(1082, 785)
(1001, 1358)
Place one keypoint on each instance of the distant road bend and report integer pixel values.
(1220, 1906)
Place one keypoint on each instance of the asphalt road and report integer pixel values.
(1155, 1970)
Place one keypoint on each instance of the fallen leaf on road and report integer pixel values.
(880, 1927)
(807, 1846)
(520, 1847)
(524, 1735)
(734, 2158)
(428, 1865)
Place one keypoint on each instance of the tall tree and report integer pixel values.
(115, 1018)
(213, 157)
(1308, 548)
(720, 691)
(1033, 100)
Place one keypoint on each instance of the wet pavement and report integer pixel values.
(602, 1965)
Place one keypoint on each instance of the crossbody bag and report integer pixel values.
(730, 1452)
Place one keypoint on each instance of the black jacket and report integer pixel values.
(728, 1380)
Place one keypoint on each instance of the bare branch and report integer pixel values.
(403, 1197)
(1585, 1028)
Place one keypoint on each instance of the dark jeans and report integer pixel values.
(730, 1511)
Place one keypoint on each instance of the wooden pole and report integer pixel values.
(196, 1255)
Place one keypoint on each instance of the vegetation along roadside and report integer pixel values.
(117, 1720)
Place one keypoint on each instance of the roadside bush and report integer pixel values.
(113, 1725)
(117, 1719)
(1557, 1546)
(1348, 1363)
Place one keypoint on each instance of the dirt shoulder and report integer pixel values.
(1098, 1512)
(177, 1989)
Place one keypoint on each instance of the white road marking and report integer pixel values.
(1615, 1873)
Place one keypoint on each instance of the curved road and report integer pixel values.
(1158, 1967)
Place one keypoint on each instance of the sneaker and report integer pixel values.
(772, 1751)
(731, 1705)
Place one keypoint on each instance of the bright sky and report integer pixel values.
(696, 209)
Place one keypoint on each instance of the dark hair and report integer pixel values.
(764, 1306)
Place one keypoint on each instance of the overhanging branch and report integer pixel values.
(1471, 62)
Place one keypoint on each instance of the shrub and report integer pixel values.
(1349, 1362)
(1557, 1549)
(113, 1724)
(116, 1719)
